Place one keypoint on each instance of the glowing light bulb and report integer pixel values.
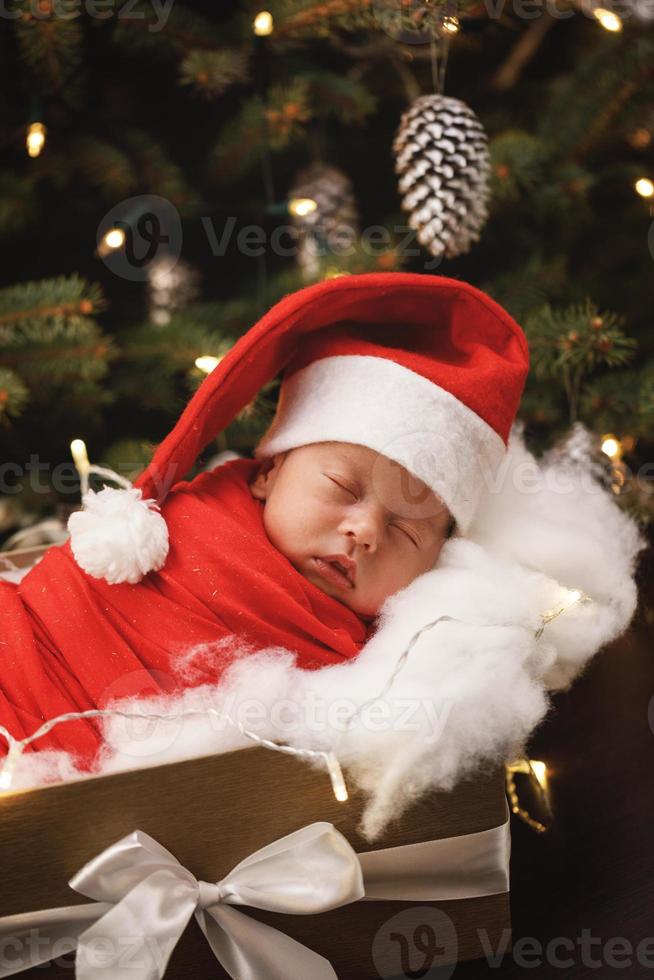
(336, 776)
(609, 20)
(301, 206)
(79, 454)
(7, 771)
(540, 772)
(207, 363)
(644, 187)
(451, 24)
(611, 446)
(263, 23)
(114, 238)
(35, 140)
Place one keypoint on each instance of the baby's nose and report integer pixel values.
(365, 528)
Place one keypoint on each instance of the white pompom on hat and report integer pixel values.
(425, 369)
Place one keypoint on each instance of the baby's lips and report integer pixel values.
(347, 565)
(329, 567)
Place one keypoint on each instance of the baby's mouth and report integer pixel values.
(333, 572)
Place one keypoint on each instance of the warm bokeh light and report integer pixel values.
(644, 187)
(35, 139)
(207, 363)
(301, 206)
(115, 238)
(540, 772)
(263, 23)
(451, 24)
(608, 20)
(611, 446)
(79, 454)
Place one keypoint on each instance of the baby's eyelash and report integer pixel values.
(343, 487)
(409, 536)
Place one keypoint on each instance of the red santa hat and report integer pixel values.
(425, 369)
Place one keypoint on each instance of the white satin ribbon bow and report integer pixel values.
(153, 898)
(144, 899)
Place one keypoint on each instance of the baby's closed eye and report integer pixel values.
(341, 484)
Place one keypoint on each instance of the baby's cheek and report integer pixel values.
(396, 575)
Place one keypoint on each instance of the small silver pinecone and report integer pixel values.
(441, 154)
(580, 449)
(333, 225)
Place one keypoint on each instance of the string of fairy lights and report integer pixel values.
(16, 747)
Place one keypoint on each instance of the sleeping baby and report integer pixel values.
(398, 393)
(351, 520)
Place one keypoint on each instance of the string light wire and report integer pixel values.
(328, 759)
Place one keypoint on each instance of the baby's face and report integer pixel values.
(334, 498)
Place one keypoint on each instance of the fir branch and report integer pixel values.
(525, 49)
(14, 395)
(50, 41)
(183, 31)
(102, 164)
(287, 109)
(585, 102)
(211, 73)
(526, 287)
(569, 344)
(281, 120)
(340, 95)
(610, 402)
(157, 172)
(301, 19)
(519, 161)
(43, 299)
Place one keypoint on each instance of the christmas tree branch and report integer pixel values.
(522, 53)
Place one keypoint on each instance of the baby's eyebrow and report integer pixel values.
(343, 454)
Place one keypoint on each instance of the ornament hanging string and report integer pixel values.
(440, 46)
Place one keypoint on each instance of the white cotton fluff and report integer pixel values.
(118, 536)
(473, 688)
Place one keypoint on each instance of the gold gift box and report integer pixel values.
(214, 811)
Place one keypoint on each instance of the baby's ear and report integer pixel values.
(263, 481)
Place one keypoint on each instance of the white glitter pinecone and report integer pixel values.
(441, 154)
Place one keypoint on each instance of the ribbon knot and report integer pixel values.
(209, 894)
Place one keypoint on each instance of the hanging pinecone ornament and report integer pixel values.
(332, 225)
(441, 154)
(581, 449)
(172, 284)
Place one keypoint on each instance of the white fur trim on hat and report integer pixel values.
(375, 402)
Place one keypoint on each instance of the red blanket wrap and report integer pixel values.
(70, 642)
